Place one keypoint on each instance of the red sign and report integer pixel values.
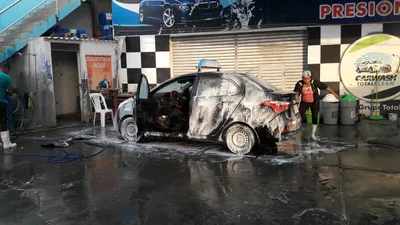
(360, 10)
(99, 67)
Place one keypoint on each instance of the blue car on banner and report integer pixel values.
(172, 12)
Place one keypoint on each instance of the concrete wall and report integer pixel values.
(121, 76)
(94, 48)
(100, 6)
(43, 82)
(32, 72)
(20, 71)
(80, 19)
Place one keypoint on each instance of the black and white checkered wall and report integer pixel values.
(327, 44)
(147, 55)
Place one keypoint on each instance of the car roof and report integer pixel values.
(199, 74)
(189, 75)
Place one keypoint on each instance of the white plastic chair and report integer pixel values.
(97, 100)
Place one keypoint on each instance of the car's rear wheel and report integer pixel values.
(240, 139)
(168, 18)
(129, 129)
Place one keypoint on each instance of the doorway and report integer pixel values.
(66, 87)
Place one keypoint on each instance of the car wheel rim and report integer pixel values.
(240, 139)
(141, 16)
(168, 18)
(131, 130)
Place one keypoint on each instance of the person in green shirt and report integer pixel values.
(6, 87)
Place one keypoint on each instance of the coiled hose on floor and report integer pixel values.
(62, 158)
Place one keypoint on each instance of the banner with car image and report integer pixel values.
(132, 17)
(370, 68)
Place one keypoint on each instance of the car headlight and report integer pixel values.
(184, 7)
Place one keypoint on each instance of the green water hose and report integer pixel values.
(20, 102)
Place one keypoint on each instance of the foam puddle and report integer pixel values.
(302, 150)
(307, 150)
(313, 215)
(278, 160)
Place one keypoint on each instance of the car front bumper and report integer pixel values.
(115, 122)
(189, 21)
(125, 108)
(196, 14)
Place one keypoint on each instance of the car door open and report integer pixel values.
(143, 103)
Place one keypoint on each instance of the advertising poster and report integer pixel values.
(99, 67)
(370, 70)
(187, 16)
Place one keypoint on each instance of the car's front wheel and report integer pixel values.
(129, 129)
(358, 70)
(240, 139)
(371, 70)
(168, 18)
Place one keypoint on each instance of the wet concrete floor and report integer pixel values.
(338, 180)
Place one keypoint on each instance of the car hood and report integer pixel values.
(126, 108)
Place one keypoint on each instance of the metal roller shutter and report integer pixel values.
(277, 56)
(187, 52)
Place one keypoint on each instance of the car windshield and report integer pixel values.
(263, 83)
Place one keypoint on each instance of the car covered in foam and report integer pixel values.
(238, 109)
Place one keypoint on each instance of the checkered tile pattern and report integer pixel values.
(148, 55)
(327, 44)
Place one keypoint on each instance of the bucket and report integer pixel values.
(393, 116)
(309, 117)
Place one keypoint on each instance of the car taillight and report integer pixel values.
(277, 106)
